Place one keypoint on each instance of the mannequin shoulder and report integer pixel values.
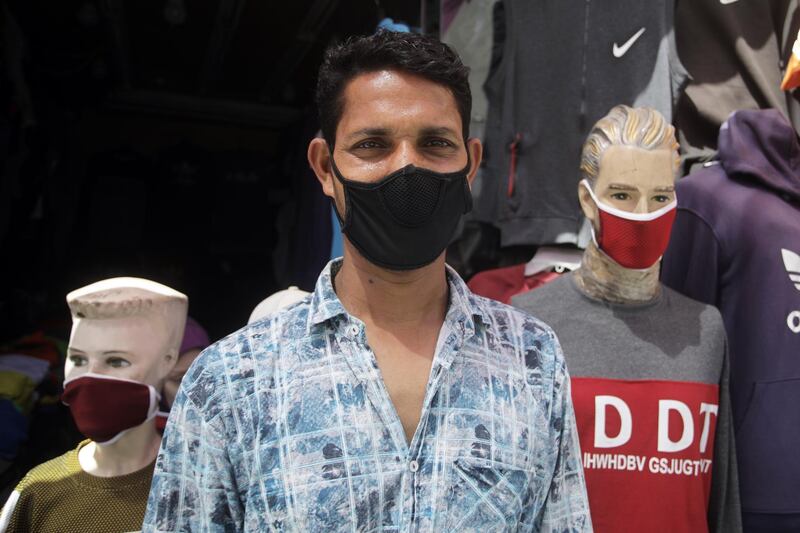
(680, 303)
(550, 297)
(53, 471)
(690, 315)
(42, 489)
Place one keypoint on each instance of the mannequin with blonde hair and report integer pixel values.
(649, 367)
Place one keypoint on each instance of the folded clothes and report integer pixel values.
(36, 369)
(18, 388)
(15, 429)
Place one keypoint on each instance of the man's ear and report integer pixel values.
(319, 159)
(475, 149)
(588, 206)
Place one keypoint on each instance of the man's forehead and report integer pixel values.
(390, 130)
(383, 100)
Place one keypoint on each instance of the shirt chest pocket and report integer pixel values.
(486, 496)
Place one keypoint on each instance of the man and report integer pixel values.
(391, 398)
(124, 342)
(649, 366)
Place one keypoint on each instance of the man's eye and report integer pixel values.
(438, 143)
(662, 198)
(622, 196)
(117, 362)
(369, 145)
(77, 360)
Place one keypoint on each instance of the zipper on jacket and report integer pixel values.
(512, 169)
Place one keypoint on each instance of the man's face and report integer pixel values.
(175, 376)
(131, 347)
(391, 119)
(632, 179)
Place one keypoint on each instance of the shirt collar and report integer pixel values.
(463, 308)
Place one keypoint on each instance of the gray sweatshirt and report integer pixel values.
(650, 390)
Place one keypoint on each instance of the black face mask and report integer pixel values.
(405, 220)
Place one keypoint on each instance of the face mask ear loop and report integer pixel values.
(585, 183)
(344, 222)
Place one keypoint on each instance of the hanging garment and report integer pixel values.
(650, 389)
(467, 28)
(734, 52)
(736, 244)
(564, 64)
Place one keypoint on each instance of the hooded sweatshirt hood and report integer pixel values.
(761, 146)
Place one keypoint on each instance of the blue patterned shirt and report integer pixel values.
(286, 425)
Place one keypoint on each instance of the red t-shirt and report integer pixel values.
(647, 450)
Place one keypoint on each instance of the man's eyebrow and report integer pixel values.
(621, 187)
(670, 188)
(370, 132)
(116, 352)
(438, 130)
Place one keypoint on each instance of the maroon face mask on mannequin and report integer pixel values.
(104, 407)
(634, 240)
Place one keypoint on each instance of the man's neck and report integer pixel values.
(387, 298)
(602, 278)
(132, 452)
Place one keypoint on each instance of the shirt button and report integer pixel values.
(413, 466)
(353, 330)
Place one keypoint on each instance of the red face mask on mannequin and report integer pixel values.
(104, 407)
(634, 240)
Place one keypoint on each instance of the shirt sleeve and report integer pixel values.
(193, 485)
(692, 261)
(566, 505)
(724, 510)
(13, 517)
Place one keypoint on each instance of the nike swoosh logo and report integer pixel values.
(726, 2)
(620, 51)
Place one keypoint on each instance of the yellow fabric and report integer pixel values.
(18, 388)
(59, 497)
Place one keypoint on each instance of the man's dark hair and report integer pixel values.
(423, 56)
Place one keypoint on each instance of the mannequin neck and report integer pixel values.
(133, 451)
(601, 278)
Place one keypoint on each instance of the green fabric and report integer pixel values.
(59, 497)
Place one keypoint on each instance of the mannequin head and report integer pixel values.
(630, 161)
(127, 328)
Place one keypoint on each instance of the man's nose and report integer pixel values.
(405, 154)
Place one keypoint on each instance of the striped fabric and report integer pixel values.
(286, 425)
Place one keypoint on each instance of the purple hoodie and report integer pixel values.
(736, 244)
